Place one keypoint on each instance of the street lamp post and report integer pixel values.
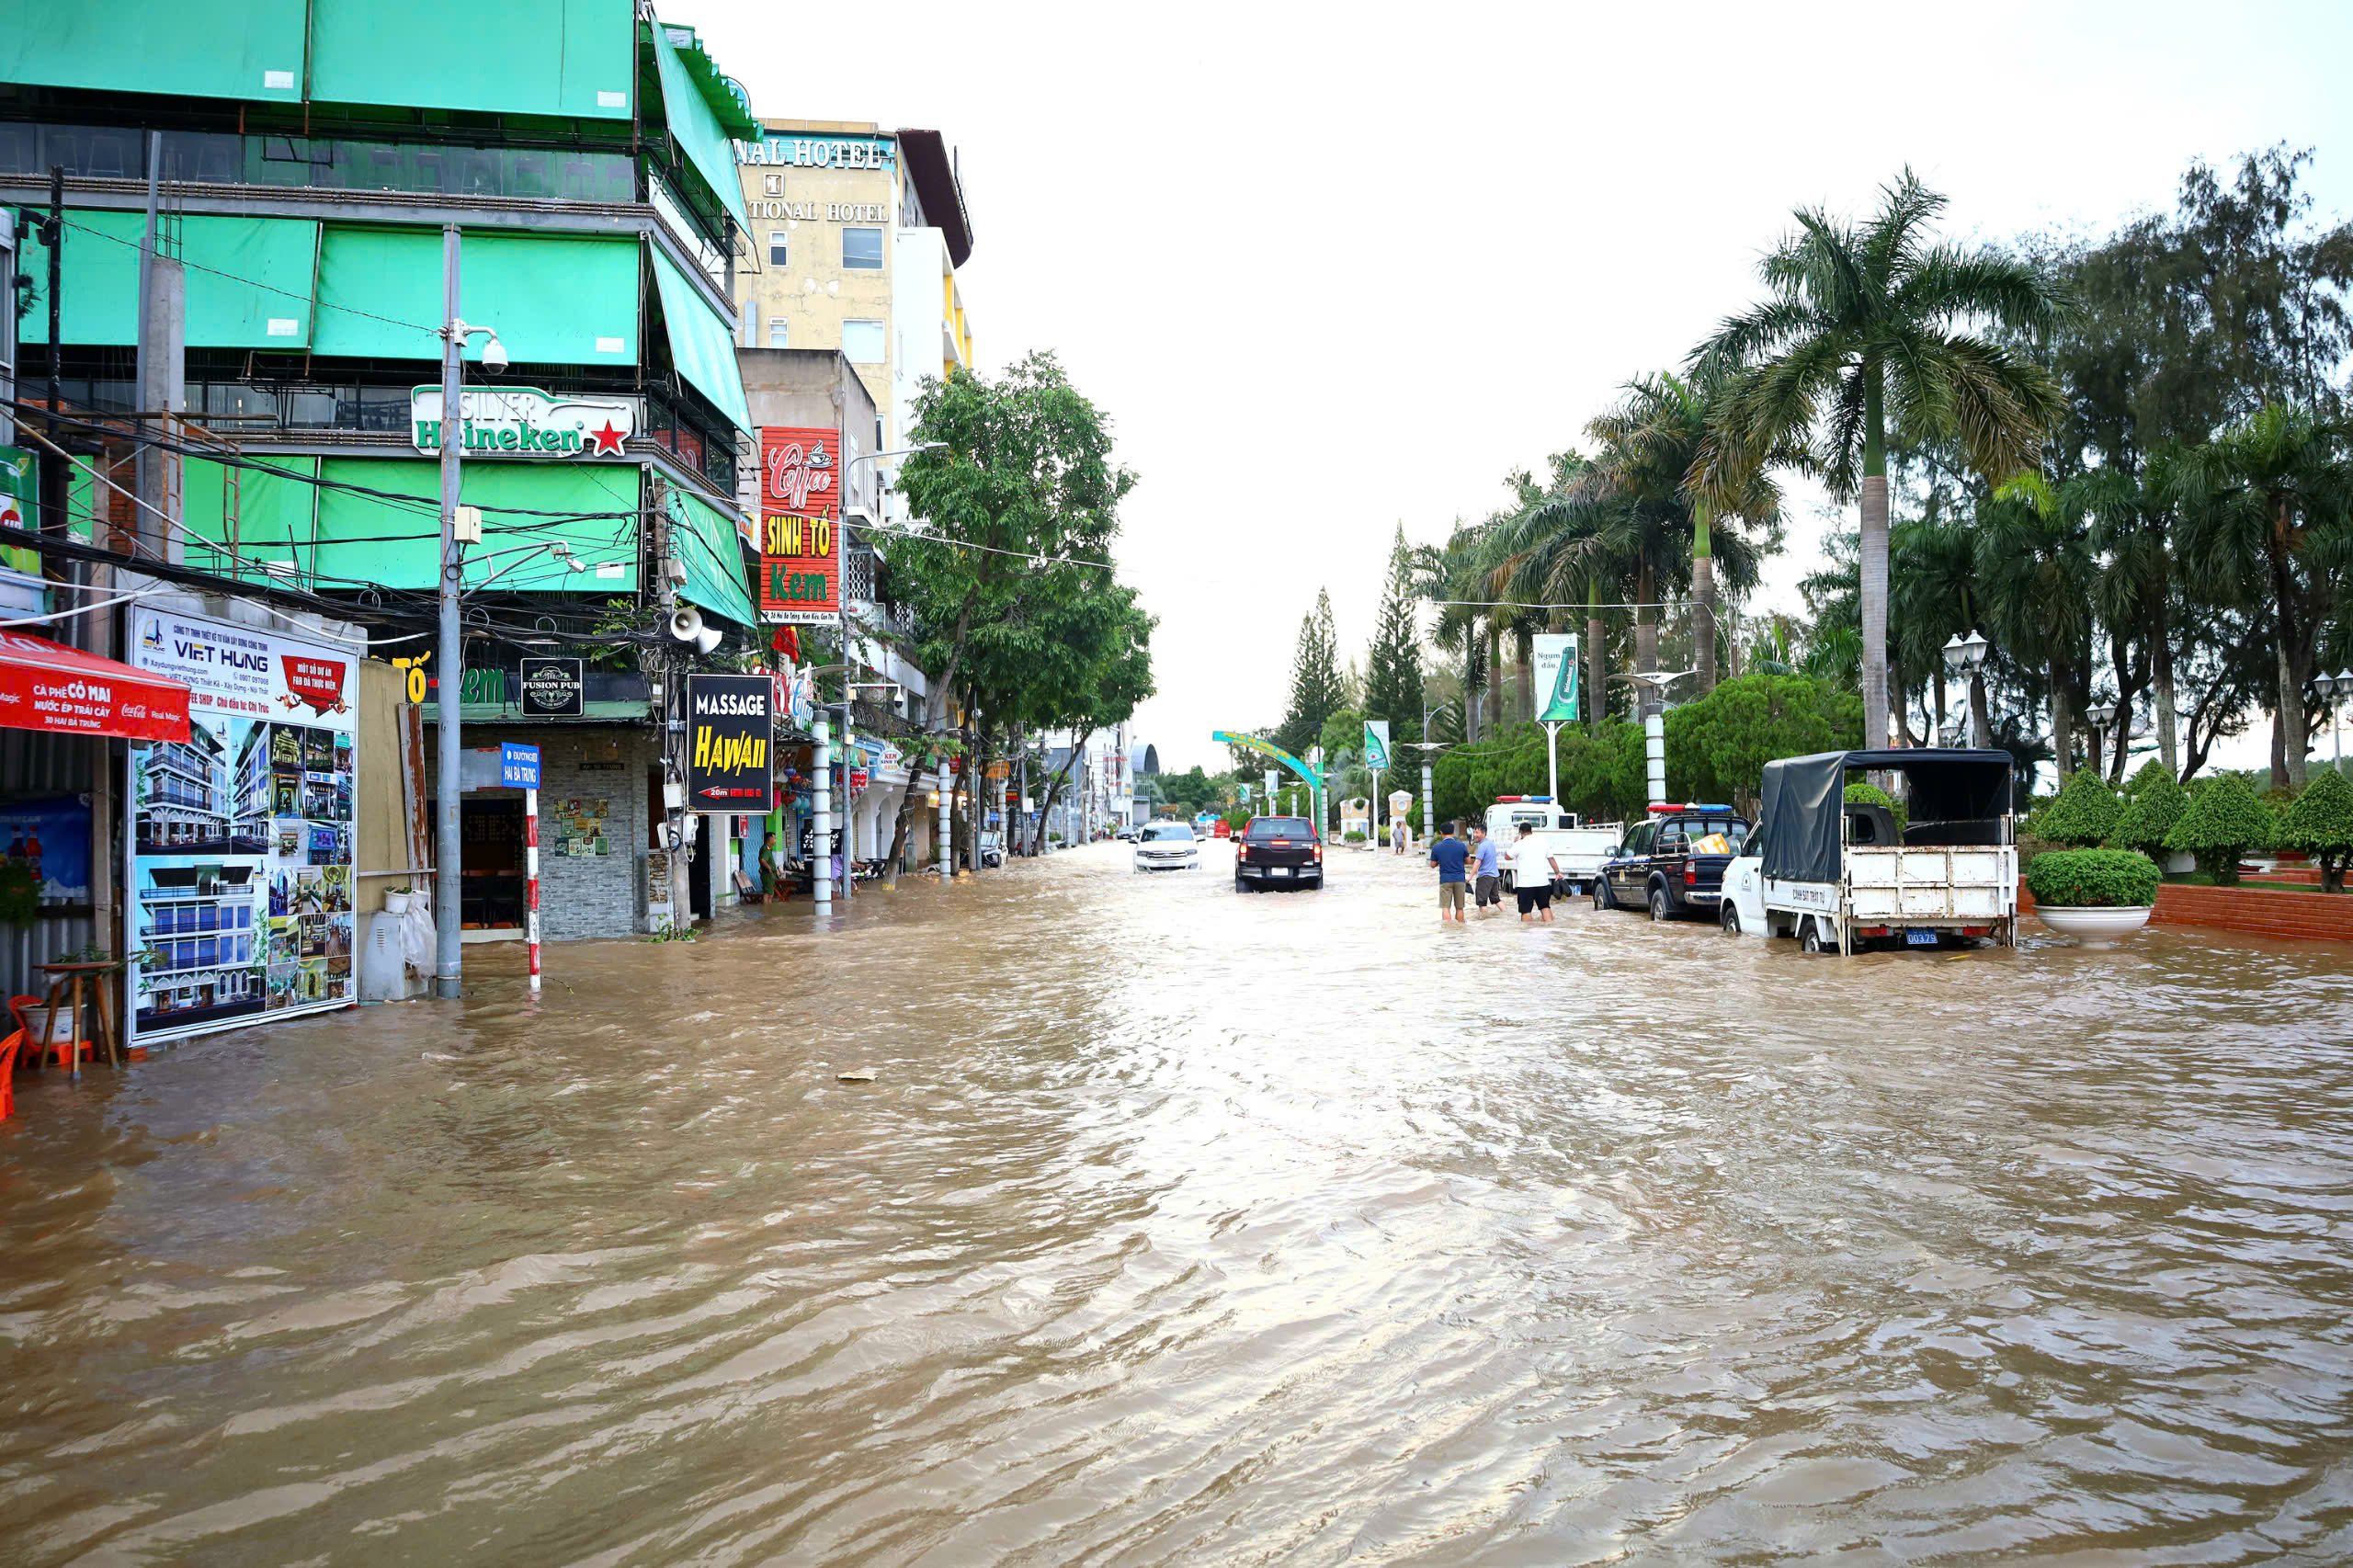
(1965, 656)
(448, 863)
(2331, 689)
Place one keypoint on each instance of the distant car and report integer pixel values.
(1127, 834)
(1168, 846)
(1223, 829)
(1278, 852)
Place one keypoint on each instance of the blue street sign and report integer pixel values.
(519, 766)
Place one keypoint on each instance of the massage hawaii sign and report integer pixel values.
(524, 422)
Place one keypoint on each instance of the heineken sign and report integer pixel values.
(524, 422)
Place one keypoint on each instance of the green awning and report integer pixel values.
(734, 115)
(697, 131)
(569, 58)
(249, 279)
(555, 299)
(272, 503)
(205, 49)
(700, 346)
(367, 540)
(709, 546)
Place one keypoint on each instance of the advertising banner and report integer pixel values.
(1556, 677)
(1376, 743)
(801, 582)
(729, 722)
(524, 422)
(553, 687)
(50, 836)
(240, 850)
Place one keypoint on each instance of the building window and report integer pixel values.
(862, 251)
(780, 333)
(862, 342)
(778, 248)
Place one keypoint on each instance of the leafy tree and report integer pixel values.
(1392, 681)
(1316, 692)
(2085, 811)
(1865, 333)
(1343, 734)
(1718, 746)
(2321, 824)
(2157, 800)
(2224, 820)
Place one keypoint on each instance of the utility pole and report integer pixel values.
(52, 465)
(448, 855)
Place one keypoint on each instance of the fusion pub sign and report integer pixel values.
(800, 581)
(729, 720)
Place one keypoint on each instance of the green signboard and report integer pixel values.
(1556, 677)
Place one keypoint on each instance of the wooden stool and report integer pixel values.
(74, 979)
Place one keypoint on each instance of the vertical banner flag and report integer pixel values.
(801, 580)
(1376, 743)
(728, 723)
(241, 837)
(1556, 677)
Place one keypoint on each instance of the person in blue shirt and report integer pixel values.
(1486, 874)
(1450, 854)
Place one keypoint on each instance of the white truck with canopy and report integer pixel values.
(1836, 874)
(1578, 849)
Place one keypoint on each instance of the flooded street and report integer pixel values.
(1184, 1227)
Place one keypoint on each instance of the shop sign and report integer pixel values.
(729, 720)
(857, 777)
(239, 848)
(519, 766)
(524, 422)
(799, 509)
(553, 687)
(811, 153)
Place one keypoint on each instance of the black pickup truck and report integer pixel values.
(1658, 870)
(1278, 852)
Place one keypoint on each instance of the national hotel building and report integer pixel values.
(856, 237)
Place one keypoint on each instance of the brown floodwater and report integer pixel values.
(1182, 1227)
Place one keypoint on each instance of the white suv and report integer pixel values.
(1168, 846)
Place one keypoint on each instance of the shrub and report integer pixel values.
(1862, 795)
(2083, 813)
(2224, 821)
(2093, 878)
(1353, 836)
(2321, 824)
(2159, 800)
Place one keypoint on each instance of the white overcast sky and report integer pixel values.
(1335, 269)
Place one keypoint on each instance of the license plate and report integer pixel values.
(1282, 870)
(1919, 936)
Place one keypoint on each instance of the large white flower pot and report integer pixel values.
(2094, 927)
(2178, 861)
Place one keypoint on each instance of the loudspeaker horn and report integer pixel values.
(709, 639)
(686, 623)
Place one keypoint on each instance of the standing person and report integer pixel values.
(1450, 854)
(1533, 870)
(1486, 874)
(1397, 835)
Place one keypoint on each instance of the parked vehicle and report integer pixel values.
(1672, 863)
(1221, 828)
(992, 847)
(1577, 849)
(1127, 832)
(1839, 875)
(1168, 846)
(1278, 852)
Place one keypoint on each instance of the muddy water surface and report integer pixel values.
(1184, 1227)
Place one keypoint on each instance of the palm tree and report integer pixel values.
(1935, 593)
(2262, 507)
(1865, 332)
(1659, 440)
(2035, 556)
(2132, 519)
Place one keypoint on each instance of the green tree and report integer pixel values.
(1718, 746)
(2225, 819)
(2320, 823)
(1867, 332)
(2083, 813)
(2157, 800)
(1316, 691)
(1393, 679)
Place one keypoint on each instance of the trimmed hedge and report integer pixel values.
(2083, 813)
(2224, 820)
(2093, 878)
(2157, 802)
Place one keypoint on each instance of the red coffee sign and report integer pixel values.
(800, 508)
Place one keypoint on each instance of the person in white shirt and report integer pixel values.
(1533, 870)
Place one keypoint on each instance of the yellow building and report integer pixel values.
(856, 236)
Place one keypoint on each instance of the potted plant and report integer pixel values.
(2157, 800)
(2320, 823)
(2093, 895)
(2224, 819)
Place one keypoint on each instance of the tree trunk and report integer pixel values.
(1703, 601)
(2279, 743)
(1494, 703)
(1938, 739)
(1526, 660)
(1646, 645)
(2062, 734)
(1596, 702)
(1874, 608)
(1981, 724)
(2289, 745)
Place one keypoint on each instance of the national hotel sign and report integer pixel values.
(833, 154)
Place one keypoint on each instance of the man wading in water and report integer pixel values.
(1448, 854)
